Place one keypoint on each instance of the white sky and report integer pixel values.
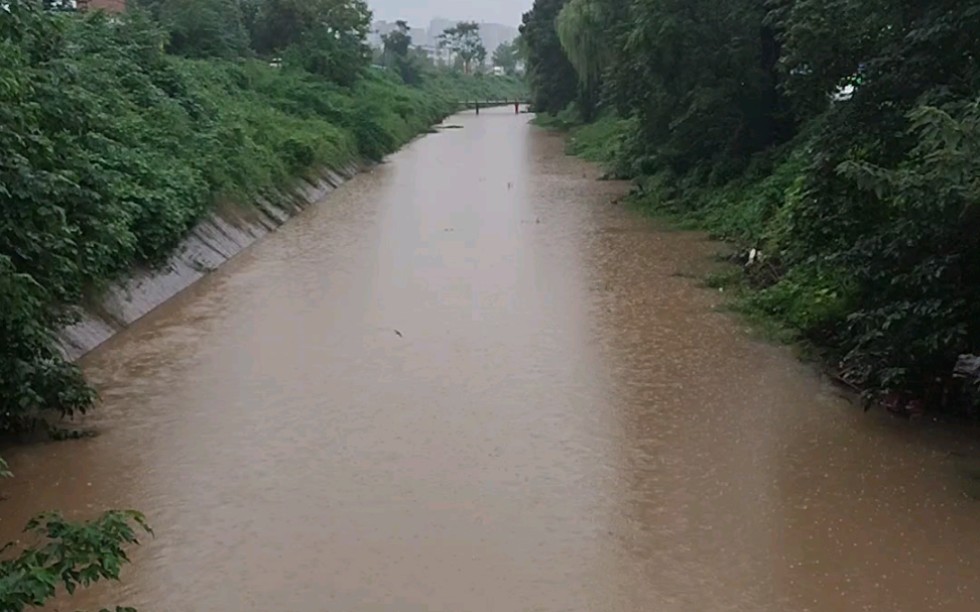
(418, 13)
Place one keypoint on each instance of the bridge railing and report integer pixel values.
(478, 104)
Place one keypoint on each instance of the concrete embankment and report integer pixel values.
(215, 240)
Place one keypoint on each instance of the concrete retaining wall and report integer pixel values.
(211, 243)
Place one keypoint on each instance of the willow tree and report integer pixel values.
(581, 30)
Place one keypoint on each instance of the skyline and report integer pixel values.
(418, 13)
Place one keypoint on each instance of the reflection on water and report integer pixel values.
(560, 423)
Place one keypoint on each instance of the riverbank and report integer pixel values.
(842, 170)
(117, 155)
(212, 242)
(222, 234)
(800, 304)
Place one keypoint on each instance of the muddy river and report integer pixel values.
(468, 380)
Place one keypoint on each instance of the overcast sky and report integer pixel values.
(418, 13)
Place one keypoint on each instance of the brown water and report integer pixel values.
(564, 423)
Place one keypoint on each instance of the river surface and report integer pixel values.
(470, 381)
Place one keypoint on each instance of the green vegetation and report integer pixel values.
(397, 54)
(506, 56)
(553, 81)
(580, 32)
(460, 87)
(836, 140)
(600, 141)
(70, 556)
(464, 40)
(113, 149)
(118, 134)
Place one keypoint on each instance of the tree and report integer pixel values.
(397, 56)
(326, 37)
(464, 40)
(505, 56)
(822, 44)
(701, 79)
(553, 81)
(204, 28)
(398, 41)
(280, 24)
(581, 27)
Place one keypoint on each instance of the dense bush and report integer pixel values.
(111, 149)
(839, 138)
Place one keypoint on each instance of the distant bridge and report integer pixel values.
(478, 104)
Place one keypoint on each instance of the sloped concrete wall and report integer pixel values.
(212, 242)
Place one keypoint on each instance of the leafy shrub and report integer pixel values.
(70, 556)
